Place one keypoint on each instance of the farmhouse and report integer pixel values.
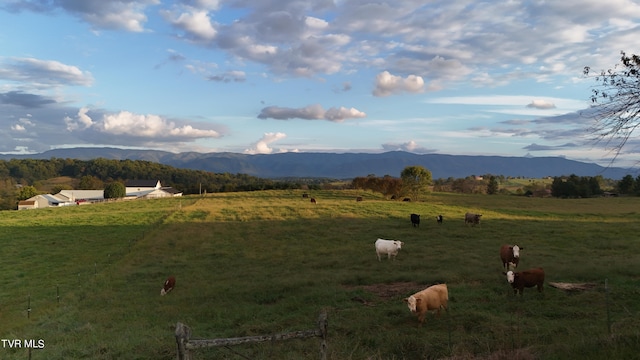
(135, 189)
(148, 189)
(27, 204)
(63, 198)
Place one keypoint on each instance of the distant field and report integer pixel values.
(259, 263)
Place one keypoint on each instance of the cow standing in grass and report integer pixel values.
(388, 247)
(434, 297)
(473, 219)
(169, 284)
(415, 220)
(525, 279)
(510, 256)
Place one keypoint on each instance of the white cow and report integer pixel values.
(388, 247)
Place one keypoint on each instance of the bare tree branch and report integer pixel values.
(615, 103)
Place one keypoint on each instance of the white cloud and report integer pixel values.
(149, 126)
(541, 104)
(342, 113)
(262, 145)
(311, 112)
(387, 84)
(44, 72)
(130, 125)
(195, 23)
(109, 15)
(409, 146)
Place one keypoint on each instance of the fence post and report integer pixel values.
(323, 323)
(183, 333)
(606, 298)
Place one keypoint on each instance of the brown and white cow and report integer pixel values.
(510, 256)
(169, 284)
(525, 279)
(434, 297)
(313, 201)
(473, 219)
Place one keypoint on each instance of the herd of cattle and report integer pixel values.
(436, 297)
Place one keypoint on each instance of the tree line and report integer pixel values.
(23, 178)
(571, 186)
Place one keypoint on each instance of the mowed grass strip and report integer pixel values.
(267, 262)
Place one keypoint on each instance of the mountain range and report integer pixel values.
(344, 165)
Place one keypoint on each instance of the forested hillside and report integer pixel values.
(95, 174)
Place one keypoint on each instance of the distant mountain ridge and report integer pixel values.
(344, 165)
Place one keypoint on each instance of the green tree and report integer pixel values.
(27, 192)
(89, 182)
(616, 102)
(115, 190)
(415, 180)
(636, 186)
(492, 186)
(625, 186)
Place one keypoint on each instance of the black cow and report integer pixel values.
(415, 220)
(439, 219)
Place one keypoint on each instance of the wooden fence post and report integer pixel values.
(323, 324)
(606, 300)
(183, 333)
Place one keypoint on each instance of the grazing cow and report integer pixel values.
(305, 195)
(388, 247)
(528, 278)
(473, 219)
(510, 255)
(415, 220)
(359, 198)
(434, 297)
(169, 284)
(406, 199)
(313, 201)
(439, 219)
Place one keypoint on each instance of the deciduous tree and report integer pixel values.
(115, 190)
(416, 180)
(27, 192)
(616, 102)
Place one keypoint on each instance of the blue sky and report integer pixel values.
(269, 76)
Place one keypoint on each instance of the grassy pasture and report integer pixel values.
(268, 262)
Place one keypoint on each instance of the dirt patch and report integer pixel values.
(387, 291)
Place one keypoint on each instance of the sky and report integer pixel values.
(461, 77)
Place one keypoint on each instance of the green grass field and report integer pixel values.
(259, 263)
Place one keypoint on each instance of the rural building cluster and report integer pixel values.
(135, 189)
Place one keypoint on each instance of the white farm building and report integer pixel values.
(135, 189)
